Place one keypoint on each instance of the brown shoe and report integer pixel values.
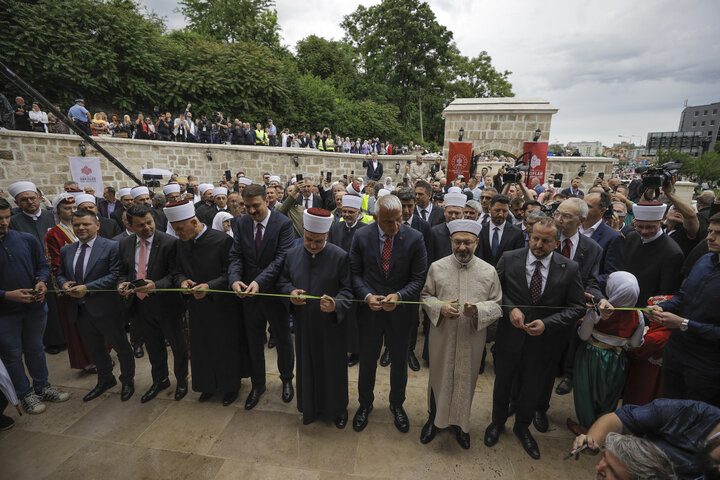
(575, 427)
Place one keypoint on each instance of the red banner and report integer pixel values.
(459, 161)
(537, 160)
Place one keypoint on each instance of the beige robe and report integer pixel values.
(456, 345)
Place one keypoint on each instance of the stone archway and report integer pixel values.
(497, 123)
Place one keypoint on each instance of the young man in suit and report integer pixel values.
(529, 337)
(424, 207)
(151, 255)
(389, 262)
(108, 203)
(574, 189)
(262, 238)
(498, 235)
(92, 263)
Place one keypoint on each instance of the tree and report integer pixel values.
(233, 20)
(327, 59)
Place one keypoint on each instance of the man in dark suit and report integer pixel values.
(485, 197)
(424, 207)
(108, 228)
(528, 336)
(499, 235)
(141, 196)
(609, 239)
(108, 203)
(574, 189)
(92, 263)
(262, 238)
(454, 210)
(126, 201)
(374, 167)
(151, 255)
(389, 263)
(309, 199)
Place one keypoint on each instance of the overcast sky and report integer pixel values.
(612, 67)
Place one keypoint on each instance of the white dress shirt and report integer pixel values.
(544, 268)
(88, 251)
(264, 223)
(491, 231)
(589, 232)
(147, 252)
(574, 240)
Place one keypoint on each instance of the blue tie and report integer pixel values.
(495, 242)
(80, 265)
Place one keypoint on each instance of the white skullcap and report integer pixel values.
(63, 197)
(124, 192)
(177, 212)
(352, 191)
(137, 191)
(81, 198)
(317, 220)
(244, 181)
(383, 192)
(352, 201)
(171, 188)
(455, 200)
(454, 190)
(204, 187)
(274, 178)
(293, 180)
(649, 211)
(469, 226)
(219, 191)
(19, 187)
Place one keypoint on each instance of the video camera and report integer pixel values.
(550, 210)
(512, 174)
(151, 181)
(658, 176)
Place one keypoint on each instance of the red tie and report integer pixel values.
(386, 253)
(258, 237)
(142, 265)
(567, 248)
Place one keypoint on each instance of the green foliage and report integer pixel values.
(327, 59)
(706, 167)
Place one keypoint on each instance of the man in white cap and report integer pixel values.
(453, 210)
(220, 200)
(274, 180)
(654, 258)
(108, 228)
(204, 207)
(173, 194)
(32, 218)
(202, 265)
(126, 201)
(243, 182)
(141, 196)
(470, 293)
(321, 269)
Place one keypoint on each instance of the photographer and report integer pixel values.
(163, 126)
(204, 129)
(683, 224)
(222, 127)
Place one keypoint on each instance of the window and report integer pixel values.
(702, 124)
(705, 112)
(714, 111)
(697, 112)
(694, 124)
(710, 133)
(712, 122)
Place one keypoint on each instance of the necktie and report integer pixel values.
(142, 265)
(80, 265)
(386, 253)
(424, 214)
(495, 241)
(536, 282)
(486, 219)
(408, 224)
(258, 237)
(567, 247)
(307, 203)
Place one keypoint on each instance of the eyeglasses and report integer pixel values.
(564, 216)
(485, 197)
(466, 243)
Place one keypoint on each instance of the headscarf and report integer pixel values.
(220, 217)
(622, 290)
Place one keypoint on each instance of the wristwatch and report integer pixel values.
(684, 325)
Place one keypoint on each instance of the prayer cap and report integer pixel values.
(171, 188)
(139, 190)
(454, 190)
(19, 187)
(66, 198)
(179, 211)
(274, 178)
(204, 187)
(317, 220)
(352, 201)
(455, 200)
(124, 192)
(219, 191)
(649, 211)
(469, 226)
(81, 198)
(352, 190)
(245, 181)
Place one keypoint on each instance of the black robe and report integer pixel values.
(216, 361)
(656, 265)
(321, 364)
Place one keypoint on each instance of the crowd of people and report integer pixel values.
(613, 290)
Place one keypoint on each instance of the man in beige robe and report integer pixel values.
(462, 295)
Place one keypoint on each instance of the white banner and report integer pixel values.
(86, 172)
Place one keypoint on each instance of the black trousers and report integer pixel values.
(395, 326)
(258, 313)
(684, 381)
(564, 367)
(94, 331)
(3, 403)
(84, 126)
(155, 329)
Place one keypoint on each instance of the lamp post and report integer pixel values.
(583, 169)
(460, 134)
(83, 148)
(208, 154)
(537, 135)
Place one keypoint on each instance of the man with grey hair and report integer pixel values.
(389, 262)
(472, 210)
(704, 202)
(632, 458)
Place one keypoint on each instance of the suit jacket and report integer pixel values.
(437, 215)
(563, 288)
(613, 245)
(161, 268)
(121, 235)
(247, 264)
(588, 255)
(373, 173)
(101, 274)
(441, 245)
(424, 228)
(316, 201)
(102, 205)
(512, 239)
(117, 216)
(161, 222)
(108, 228)
(408, 264)
(568, 192)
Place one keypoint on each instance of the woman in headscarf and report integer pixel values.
(388, 184)
(221, 222)
(601, 363)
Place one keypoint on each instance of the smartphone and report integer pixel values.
(228, 175)
(345, 176)
(601, 175)
(352, 172)
(408, 161)
(328, 176)
(140, 282)
(299, 177)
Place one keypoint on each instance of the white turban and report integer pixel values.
(137, 191)
(352, 201)
(317, 220)
(469, 226)
(180, 211)
(19, 187)
(84, 198)
(244, 181)
(649, 212)
(455, 200)
(171, 188)
(219, 191)
(124, 192)
(204, 187)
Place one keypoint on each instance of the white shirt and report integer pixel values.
(574, 240)
(408, 222)
(88, 251)
(591, 230)
(201, 233)
(654, 237)
(264, 223)
(34, 216)
(309, 201)
(427, 209)
(491, 231)
(147, 251)
(544, 268)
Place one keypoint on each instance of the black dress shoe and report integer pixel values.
(462, 438)
(540, 422)
(565, 385)
(287, 392)
(55, 349)
(254, 397)
(401, 419)
(353, 359)
(138, 350)
(230, 397)
(385, 358)
(428, 431)
(154, 390)
(528, 442)
(99, 390)
(128, 388)
(272, 342)
(413, 362)
(181, 390)
(341, 421)
(360, 420)
(492, 434)
(204, 397)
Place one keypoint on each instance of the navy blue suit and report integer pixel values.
(613, 245)
(247, 264)
(96, 314)
(406, 277)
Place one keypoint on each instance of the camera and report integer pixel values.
(550, 210)
(512, 174)
(609, 212)
(151, 181)
(658, 176)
